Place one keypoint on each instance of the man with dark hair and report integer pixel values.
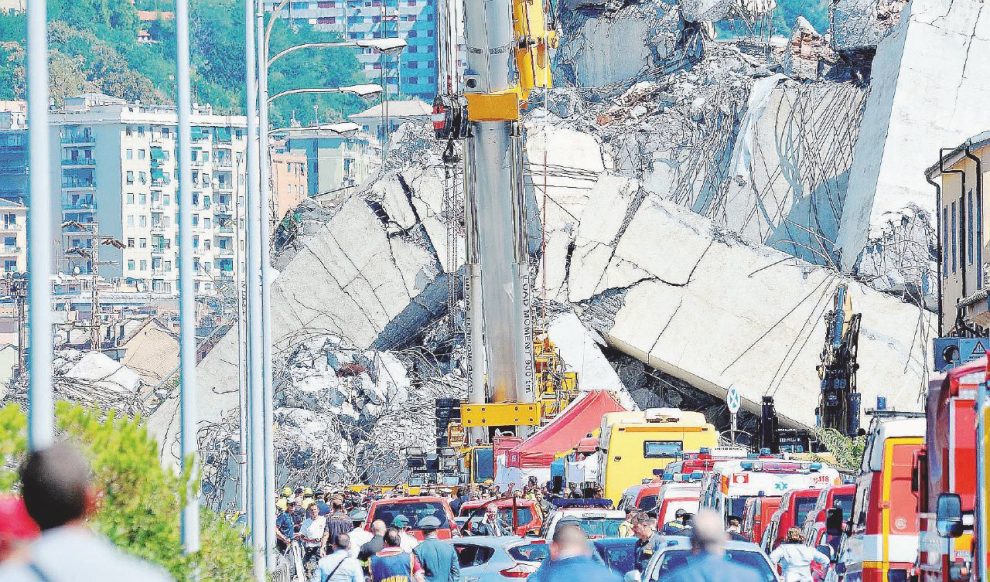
(439, 559)
(321, 502)
(644, 528)
(571, 559)
(393, 564)
(59, 496)
(338, 566)
(338, 521)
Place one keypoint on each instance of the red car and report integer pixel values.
(528, 516)
(757, 515)
(415, 509)
(794, 508)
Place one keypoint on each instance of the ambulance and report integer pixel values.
(730, 483)
(635, 444)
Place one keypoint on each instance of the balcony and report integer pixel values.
(77, 183)
(225, 230)
(222, 163)
(78, 138)
(79, 163)
(79, 205)
(221, 209)
(224, 252)
(14, 171)
(6, 251)
(158, 249)
(158, 227)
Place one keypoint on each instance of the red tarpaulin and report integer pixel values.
(583, 416)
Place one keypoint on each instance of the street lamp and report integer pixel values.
(387, 46)
(369, 90)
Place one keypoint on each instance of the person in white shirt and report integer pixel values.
(311, 536)
(358, 536)
(407, 541)
(339, 566)
(795, 558)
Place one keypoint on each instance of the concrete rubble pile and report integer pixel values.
(691, 208)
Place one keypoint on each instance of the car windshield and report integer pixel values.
(688, 505)
(648, 503)
(530, 552)
(673, 560)
(413, 512)
(620, 557)
(803, 506)
(599, 527)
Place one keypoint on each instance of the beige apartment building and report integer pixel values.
(964, 233)
(13, 237)
(288, 183)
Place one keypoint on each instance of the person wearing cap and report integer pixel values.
(285, 527)
(287, 492)
(439, 559)
(676, 526)
(338, 521)
(307, 498)
(649, 542)
(359, 535)
(708, 562)
(408, 542)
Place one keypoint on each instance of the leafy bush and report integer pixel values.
(848, 451)
(139, 509)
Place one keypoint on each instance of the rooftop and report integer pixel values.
(951, 158)
(9, 204)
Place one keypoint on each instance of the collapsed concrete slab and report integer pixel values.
(921, 98)
(860, 25)
(715, 311)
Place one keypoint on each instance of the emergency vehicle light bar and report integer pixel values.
(579, 503)
(780, 467)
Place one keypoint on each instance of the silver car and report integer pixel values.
(495, 559)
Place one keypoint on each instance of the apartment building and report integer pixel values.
(13, 152)
(964, 234)
(115, 167)
(288, 183)
(13, 237)
(414, 72)
(337, 158)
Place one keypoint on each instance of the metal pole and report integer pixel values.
(981, 479)
(266, 281)
(242, 456)
(256, 427)
(41, 406)
(187, 283)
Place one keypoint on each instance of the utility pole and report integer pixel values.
(93, 255)
(41, 404)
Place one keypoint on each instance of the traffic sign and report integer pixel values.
(732, 400)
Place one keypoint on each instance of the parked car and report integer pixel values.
(596, 520)
(495, 559)
(529, 518)
(678, 551)
(619, 554)
(415, 509)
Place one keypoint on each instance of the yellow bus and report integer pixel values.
(633, 444)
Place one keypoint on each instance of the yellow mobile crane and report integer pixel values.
(507, 55)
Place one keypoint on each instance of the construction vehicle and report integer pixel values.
(945, 475)
(634, 444)
(839, 402)
(516, 382)
(882, 530)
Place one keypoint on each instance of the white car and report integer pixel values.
(677, 553)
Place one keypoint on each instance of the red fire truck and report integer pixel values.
(945, 473)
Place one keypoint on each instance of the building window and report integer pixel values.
(413, 64)
(9, 220)
(130, 243)
(130, 264)
(130, 154)
(144, 264)
(325, 5)
(945, 242)
(130, 220)
(969, 228)
(410, 2)
(411, 48)
(10, 241)
(413, 80)
(130, 197)
(955, 245)
(142, 220)
(141, 130)
(143, 243)
(412, 34)
(142, 198)
(130, 176)
(10, 265)
(168, 266)
(128, 131)
(207, 224)
(166, 200)
(165, 133)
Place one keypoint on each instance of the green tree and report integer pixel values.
(847, 451)
(139, 509)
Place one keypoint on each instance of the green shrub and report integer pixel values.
(139, 508)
